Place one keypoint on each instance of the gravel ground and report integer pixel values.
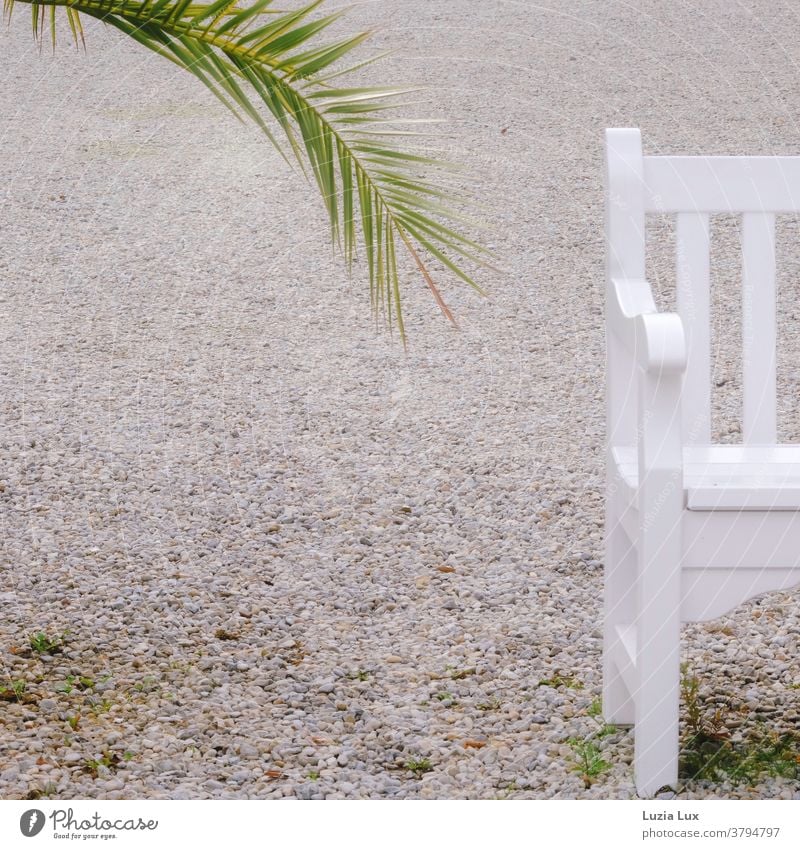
(286, 558)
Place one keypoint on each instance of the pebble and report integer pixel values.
(309, 559)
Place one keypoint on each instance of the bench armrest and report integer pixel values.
(656, 339)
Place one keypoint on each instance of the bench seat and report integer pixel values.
(728, 477)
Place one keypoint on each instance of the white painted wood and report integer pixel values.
(654, 340)
(764, 540)
(692, 285)
(731, 184)
(707, 594)
(625, 656)
(624, 260)
(692, 529)
(658, 597)
(758, 327)
(719, 495)
(620, 607)
(729, 477)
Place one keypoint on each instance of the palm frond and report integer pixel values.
(267, 66)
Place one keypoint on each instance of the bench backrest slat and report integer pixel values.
(758, 327)
(693, 291)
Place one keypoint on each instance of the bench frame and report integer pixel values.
(672, 556)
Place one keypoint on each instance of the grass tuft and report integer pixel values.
(42, 643)
(559, 680)
(588, 760)
(419, 766)
(708, 751)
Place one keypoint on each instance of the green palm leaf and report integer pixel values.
(266, 65)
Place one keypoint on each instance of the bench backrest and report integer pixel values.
(691, 188)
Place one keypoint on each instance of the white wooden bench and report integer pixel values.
(692, 529)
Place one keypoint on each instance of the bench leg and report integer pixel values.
(658, 586)
(619, 609)
(656, 742)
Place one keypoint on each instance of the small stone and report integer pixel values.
(305, 791)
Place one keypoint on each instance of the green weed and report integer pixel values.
(588, 760)
(708, 751)
(559, 680)
(41, 643)
(419, 765)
